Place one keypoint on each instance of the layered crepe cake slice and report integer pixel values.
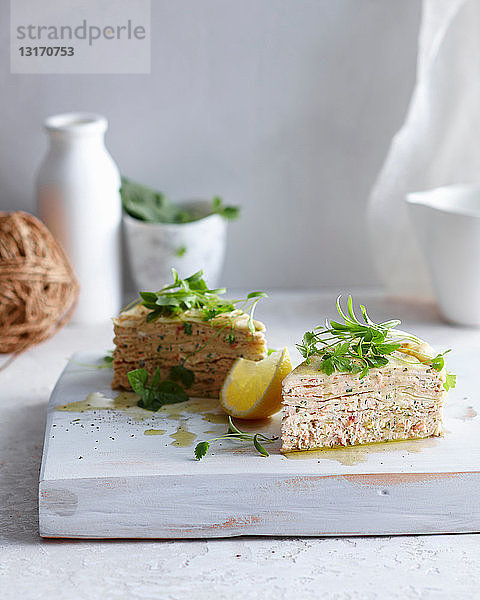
(189, 325)
(393, 388)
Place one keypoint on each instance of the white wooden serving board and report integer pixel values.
(102, 477)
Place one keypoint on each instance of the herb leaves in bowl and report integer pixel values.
(146, 204)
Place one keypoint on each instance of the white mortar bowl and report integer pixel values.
(153, 248)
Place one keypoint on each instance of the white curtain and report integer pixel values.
(438, 144)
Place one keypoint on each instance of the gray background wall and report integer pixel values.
(285, 107)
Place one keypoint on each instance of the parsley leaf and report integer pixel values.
(138, 379)
(155, 393)
(182, 374)
(201, 449)
(450, 381)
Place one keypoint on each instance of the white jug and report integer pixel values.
(78, 195)
(447, 224)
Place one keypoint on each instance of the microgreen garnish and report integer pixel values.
(355, 346)
(234, 433)
(157, 392)
(230, 338)
(193, 293)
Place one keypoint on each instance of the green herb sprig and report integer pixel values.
(355, 346)
(438, 364)
(234, 433)
(108, 360)
(147, 204)
(230, 213)
(157, 392)
(450, 381)
(193, 293)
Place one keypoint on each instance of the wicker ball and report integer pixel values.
(38, 288)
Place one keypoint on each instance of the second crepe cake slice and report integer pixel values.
(187, 324)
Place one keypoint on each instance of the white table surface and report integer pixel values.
(442, 566)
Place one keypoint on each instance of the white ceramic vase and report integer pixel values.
(79, 200)
(154, 248)
(447, 224)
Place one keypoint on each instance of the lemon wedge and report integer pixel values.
(253, 389)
